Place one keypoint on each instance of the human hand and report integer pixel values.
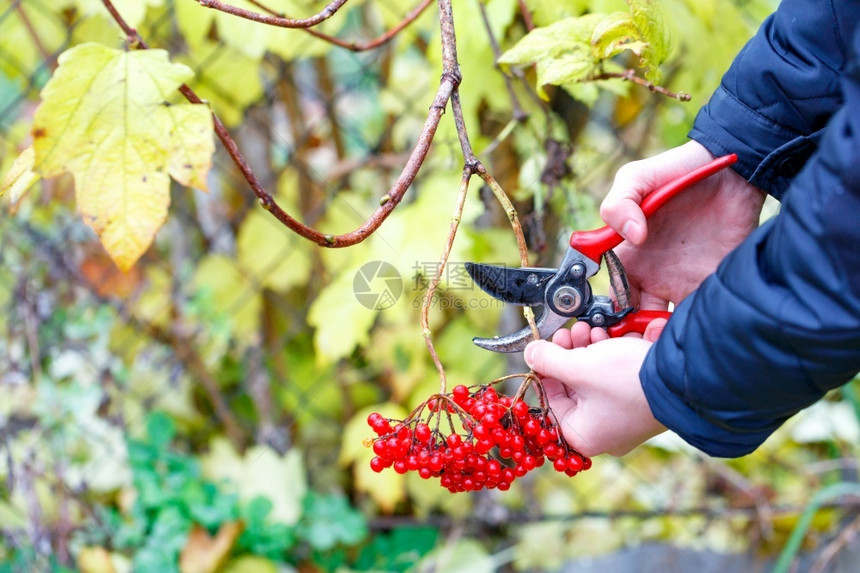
(595, 392)
(683, 242)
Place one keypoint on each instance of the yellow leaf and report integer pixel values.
(342, 323)
(20, 177)
(230, 81)
(273, 255)
(132, 11)
(95, 560)
(205, 554)
(23, 53)
(106, 117)
(386, 488)
(231, 295)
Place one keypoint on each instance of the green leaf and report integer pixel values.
(160, 429)
(651, 23)
(329, 521)
(562, 51)
(260, 472)
(614, 34)
(106, 117)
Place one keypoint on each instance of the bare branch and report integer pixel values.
(450, 80)
(272, 20)
(630, 75)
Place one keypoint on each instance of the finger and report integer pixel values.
(552, 361)
(654, 329)
(598, 335)
(621, 208)
(562, 338)
(580, 334)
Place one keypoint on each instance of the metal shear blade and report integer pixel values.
(523, 286)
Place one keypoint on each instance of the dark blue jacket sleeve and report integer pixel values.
(778, 324)
(780, 91)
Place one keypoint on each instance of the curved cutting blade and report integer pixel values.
(523, 286)
(547, 324)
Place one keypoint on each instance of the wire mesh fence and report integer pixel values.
(226, 323)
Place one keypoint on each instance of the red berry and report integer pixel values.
(460, 394)
(377, 465)
(520, 410)
(423, 433)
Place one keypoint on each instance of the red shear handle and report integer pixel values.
(636, 322)
(594, 243)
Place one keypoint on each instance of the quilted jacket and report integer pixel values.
(778, 324)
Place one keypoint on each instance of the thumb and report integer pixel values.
(547, 359)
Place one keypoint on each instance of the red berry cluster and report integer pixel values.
(504, 439)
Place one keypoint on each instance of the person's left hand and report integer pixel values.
(594, 389)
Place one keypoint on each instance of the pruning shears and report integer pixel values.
(565, 293)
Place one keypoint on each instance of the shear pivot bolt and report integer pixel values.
(577, 271)
(567, 299)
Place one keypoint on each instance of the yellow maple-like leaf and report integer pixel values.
(106, 117)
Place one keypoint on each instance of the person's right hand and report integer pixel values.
(684, 241)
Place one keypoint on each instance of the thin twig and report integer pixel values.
(380, 40)
(272, 20)
(630, 75)
(443, 260)
(527, 16)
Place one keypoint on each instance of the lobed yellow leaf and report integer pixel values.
(106, 117)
